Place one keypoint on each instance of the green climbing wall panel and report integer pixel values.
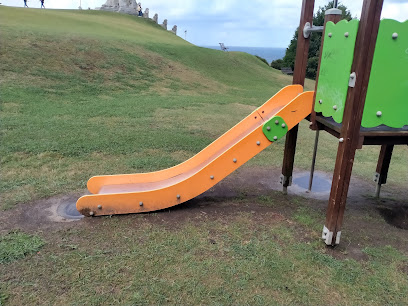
(387, 92)
(335, 66)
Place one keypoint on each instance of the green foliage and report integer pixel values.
(16, 245)
(262, 59)
(315, 41)
(277, 64)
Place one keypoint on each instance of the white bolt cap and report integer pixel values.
(178, 196)
(320, 101)
(212, 177)
(234, 160)
(341, 139)
(379, 114)
(394, 35)
(99, 206)
(141, 203)
(91, 213)
(330, 34)
(258, 143)
(275, 137)
(335, 107)
(283, 125)
(268, 128)
(276, 122)
(346, 34)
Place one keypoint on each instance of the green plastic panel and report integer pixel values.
(387, 92)
(335, 66)
(275, 128)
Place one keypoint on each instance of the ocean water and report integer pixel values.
(270, 54)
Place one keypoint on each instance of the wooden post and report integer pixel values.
(299, 75)
(353, 112)
(383, 165)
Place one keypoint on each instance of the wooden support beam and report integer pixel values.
(353, 112)
(299, 75)
(383, 165)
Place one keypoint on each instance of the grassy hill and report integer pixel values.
(90, 92)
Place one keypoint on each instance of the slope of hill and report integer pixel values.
(88, 92)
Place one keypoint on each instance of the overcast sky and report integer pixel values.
(257, 23)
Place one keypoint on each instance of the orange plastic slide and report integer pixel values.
(144, 192)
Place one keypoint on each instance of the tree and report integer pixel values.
(315, 41)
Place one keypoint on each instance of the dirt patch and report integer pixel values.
(396, 216)
(254, 191)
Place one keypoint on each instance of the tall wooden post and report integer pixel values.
(299, 75)
(353, 112)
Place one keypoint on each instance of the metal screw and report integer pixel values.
(341, 139)
(277, 122)
(212, 177)
(91, 213)
(99, 206)
(335, 107)
(234, 160)
(346, 34)
(320, 101)
(275, 137)
(141, 203)
(258, 143)
(379, 114)
(330, 34)
(268, 128)
(394, 35)
(283, 125)
(178, 196)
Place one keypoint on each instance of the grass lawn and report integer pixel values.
(86, 93)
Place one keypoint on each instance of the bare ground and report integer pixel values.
(254, 190)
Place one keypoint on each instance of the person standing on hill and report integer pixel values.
(25, 3)
(42, 3)
(139, 9)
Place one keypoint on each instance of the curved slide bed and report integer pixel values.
(144, 192)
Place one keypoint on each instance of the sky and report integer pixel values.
(258, 23)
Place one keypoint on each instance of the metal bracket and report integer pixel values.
(352, 80)
(283, 179)
(376, 177)
(327, 236)
(308, 28)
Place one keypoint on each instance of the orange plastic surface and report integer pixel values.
(144, 192)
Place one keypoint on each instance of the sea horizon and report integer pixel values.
(268, 53)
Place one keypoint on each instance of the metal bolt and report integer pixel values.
(178, 196)
(276, 122)
(310, 123)
(234, 160)
(346, 34)
(283, 125)
(394, 35)
(141, 203)
(212, 177)
(341, 139)
(335, 107)
(268, 128)
(275, 137)
(320, 101)
(258, 143)
(99, 206)
(91, 213)
(379, 114)
(330, 34)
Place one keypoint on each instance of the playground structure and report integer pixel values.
(359, 98)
